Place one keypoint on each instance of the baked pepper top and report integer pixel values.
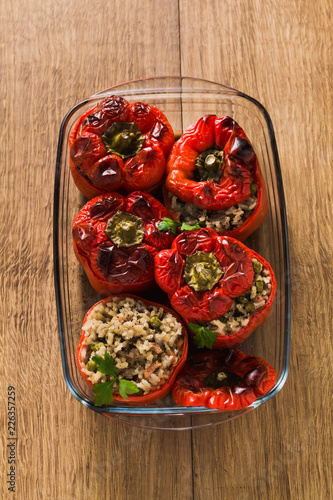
(221, 288)
(213, 167)
(119, 145)
(116, 238)
(223, 380)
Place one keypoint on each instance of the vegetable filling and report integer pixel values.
(219, 220)
(144, 342)
(240, 312)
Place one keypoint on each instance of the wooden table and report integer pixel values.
(54, 54)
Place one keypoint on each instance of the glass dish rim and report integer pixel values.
(113, 411)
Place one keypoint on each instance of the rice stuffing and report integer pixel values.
(219, 220)
(244, 306)
(144, 341)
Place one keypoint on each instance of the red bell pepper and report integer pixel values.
(117, 145)
(213, 167)
(223, 380)
(116, 238)
(222, 289)
(84, 352)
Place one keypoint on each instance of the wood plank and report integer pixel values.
(56, 54)
(53, 55)
(279, 53)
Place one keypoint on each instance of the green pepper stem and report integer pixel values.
(123, 139)
(210, 161)
(125, 229)
(202, 271)
(209, 164)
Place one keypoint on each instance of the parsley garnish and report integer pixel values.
(188, 227)
(105, 365)
(168, 225)
(104, 390)
(172, 226)
(127, 387)
(104, 393)
(203, 336)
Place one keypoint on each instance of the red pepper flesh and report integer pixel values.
(155, 394)
(95, 170)
(223, 380)
(239, 170)
(194, 306)
(117, 269)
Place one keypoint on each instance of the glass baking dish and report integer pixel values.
(183, 100)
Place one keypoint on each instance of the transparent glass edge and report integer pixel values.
(177, 410)
(181, 79)
(180, 428)
(287, 328)
(56, 266)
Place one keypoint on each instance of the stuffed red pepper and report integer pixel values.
(221, 288)
(118, 145)
(223, 380)
(116, 238)
(214, 179)
(131, 350)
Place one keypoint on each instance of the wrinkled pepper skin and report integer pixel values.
(240, 169)
(156, 394)
(96, 170)
(254, 378)
(117, 269)
(235, 260)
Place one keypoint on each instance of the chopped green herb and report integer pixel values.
(188, 227)
(172, 226)
(104, 393)
(168, 225)
(104, 390)
(105, 365)
(127, 387)
(203, 336)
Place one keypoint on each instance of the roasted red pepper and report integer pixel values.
(116, 238)
(214, 168)
(218, 284)
(223, 380)
(87, 346)
(117, 145)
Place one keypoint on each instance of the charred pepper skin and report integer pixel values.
(156, 394)
(115, 239)
(235, 260)
(223, 380)
(118, 145)
(236, 162)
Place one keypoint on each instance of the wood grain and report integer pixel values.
(278, 52)
(54, 54)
